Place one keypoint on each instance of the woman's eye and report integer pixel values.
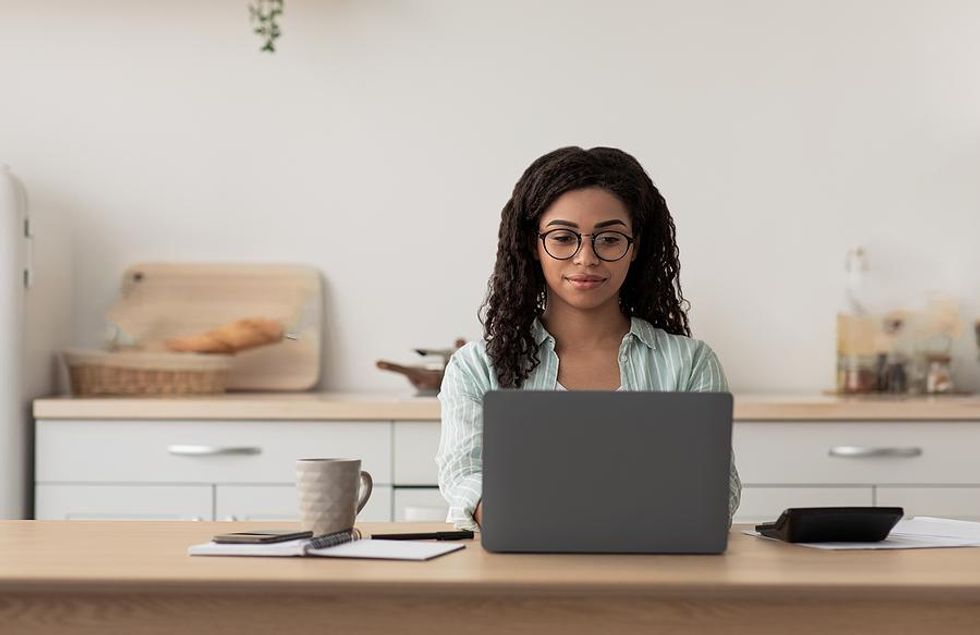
(610, 240)
(564, 240)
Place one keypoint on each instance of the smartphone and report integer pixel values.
(262, 536)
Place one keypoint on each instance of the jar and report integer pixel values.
(939, 377)
(856, 374)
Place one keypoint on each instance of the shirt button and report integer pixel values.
(622, 358)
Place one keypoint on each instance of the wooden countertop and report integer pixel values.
(354, 407)
(137, 557)
(91, 577)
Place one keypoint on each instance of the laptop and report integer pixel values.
(606, 471)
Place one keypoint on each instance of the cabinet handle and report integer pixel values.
(860, 452)
(210, 450)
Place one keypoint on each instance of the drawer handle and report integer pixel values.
(210, 450)
(859, 452)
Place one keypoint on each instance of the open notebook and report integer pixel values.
(344, 545)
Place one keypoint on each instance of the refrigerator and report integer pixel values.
(35, 303)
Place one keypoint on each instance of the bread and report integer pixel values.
(230, 338)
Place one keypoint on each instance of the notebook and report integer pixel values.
(345, 544)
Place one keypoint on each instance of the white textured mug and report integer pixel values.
(328, 493)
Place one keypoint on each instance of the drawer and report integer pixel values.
(766, 503)
(279, 502)
(889, 453)
(415, 446)
(123, 502)
(418, 504)
(947, 502)
(240, 451)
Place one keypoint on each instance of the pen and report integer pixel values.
(428, 535)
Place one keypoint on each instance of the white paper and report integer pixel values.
(388, 550)
(944, 527)
(366, 548)
(288, 548)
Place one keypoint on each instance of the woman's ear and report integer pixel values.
(636, 249)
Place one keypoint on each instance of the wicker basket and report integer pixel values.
(95, 373)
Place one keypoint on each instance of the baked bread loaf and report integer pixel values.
(230, 338)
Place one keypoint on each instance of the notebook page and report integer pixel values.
(288, 548)
(388, 550)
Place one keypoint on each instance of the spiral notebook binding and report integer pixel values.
(336, 538)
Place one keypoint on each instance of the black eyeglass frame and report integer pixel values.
(629, 242)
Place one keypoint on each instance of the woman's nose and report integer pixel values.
(586, 253)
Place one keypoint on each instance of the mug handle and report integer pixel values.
(367, 485)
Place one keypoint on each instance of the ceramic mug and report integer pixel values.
(331, 493)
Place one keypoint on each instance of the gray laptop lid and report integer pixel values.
(606, 472)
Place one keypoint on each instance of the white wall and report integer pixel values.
(780, 133)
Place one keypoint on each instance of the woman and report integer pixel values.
(584, 295)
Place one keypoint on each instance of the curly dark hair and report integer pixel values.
(517, 291)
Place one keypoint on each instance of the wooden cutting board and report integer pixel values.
(162, 300)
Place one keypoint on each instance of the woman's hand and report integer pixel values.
(478, 514)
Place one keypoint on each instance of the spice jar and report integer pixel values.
(939, 376)
(856, 374)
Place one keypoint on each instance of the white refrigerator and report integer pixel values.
(35, 302)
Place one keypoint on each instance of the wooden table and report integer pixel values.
(135, 578)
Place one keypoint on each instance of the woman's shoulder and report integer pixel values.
(672, 346)
(470, 364)
(694, 364)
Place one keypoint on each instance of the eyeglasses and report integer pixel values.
(563, 244)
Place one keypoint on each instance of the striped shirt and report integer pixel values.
(649, 359)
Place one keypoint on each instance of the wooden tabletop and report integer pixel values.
(138, 557)
(355, 407)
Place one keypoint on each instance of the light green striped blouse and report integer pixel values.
(649, 359)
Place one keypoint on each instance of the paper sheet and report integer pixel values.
(388, 550)
(366, 548)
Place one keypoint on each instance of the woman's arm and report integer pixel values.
(707, 375)
(460, 455)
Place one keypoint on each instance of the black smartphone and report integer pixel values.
(262, 536)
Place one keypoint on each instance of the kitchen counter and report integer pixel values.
(375, 407)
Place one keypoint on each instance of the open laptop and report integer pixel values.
(606, 471)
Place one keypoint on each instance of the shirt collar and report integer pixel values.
(639, 328)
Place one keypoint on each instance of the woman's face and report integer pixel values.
(585, 281)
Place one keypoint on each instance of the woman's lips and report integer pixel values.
(585, 283)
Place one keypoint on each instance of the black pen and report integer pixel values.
(428, 535)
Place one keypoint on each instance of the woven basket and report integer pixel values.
(95, 373)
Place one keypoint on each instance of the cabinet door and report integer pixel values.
(415, 445)
(420, 504)
(761, 504)
(123, 502)
(857, 452)
(947, 502)
(279, 502)
(172, 451)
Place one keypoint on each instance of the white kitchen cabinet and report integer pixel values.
(414, 449)
(161, 451)
(418, 504)
(279, 502)
(802, 453)
(765, 503)
(244, 469)
(75, 501)
(224, 469)
(947, 502)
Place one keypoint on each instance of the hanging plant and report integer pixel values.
(265, 15)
